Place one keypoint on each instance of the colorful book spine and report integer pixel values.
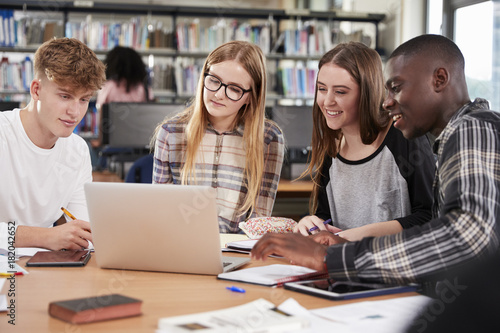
(194, 36)
(16, 76)
(297, 78)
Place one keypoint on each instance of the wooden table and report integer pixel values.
(294, 189)
(163, 294)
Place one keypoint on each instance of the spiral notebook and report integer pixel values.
(272, 275)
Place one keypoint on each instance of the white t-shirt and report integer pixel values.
(34, 182)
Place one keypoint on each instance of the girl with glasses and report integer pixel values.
(223, 138)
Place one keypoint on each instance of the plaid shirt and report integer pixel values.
(466, 207)
(220, 163)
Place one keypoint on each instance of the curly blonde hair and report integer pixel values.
(69, 62)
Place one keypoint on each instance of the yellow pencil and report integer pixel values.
(68, 213)
(10, 274)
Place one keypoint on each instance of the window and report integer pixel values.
(475, 27)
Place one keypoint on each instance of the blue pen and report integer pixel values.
(316, 227)
(236, 289)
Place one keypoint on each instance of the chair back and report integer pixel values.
(141, 170)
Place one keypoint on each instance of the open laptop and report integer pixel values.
(153, 227)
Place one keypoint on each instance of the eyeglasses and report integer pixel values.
(232, 91)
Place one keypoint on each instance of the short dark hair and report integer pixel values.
(434, 46)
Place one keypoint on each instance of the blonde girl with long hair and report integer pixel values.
(223, 138)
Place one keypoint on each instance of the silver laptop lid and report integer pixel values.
(153, 227)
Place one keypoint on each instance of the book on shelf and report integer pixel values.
(203, 36)
(272, 275)
(7, 28)
(309, 38)
(91, 309)
(187, 73)
(89, 125)
(16, 76)
(258, 316)
(138, 32)
(297, 78)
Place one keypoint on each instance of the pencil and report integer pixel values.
(68, 213)
(10, 274)
(316, 227)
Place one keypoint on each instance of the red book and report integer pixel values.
(90, 309)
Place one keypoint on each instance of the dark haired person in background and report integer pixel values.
(126, 77)
(126, 81)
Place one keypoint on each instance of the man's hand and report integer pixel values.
(73, 235)
(299, 249)
(326, 238)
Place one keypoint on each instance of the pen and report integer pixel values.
(316, 227)
(236, 289)
(68, 213)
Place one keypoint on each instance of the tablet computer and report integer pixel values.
(59, 258)
(342, 290)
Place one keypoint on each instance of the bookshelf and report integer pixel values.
(175, 40)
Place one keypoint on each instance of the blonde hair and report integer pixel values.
(365, 67)
(69, 62)
(252, 115)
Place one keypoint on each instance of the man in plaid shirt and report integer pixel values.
(427, 93)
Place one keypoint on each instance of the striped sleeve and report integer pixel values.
(467, 201)
(274, 150)
(165, 147)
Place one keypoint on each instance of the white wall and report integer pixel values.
(404, 20)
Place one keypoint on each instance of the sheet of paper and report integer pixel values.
(318, 324)
(387, 316)
(3, 303)
(256, 316)
(267, 275)
(246, 244)
(228, 238)
(23, 251)
(6, 267)
(3, 298)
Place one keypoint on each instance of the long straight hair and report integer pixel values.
(365, 67)
(251, 115)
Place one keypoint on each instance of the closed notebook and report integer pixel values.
(90, 309)
(241, 246)
(272, 275)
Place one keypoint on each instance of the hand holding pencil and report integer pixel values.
(312, 224)
(70, 236)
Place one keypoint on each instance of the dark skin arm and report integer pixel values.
(301, 250)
